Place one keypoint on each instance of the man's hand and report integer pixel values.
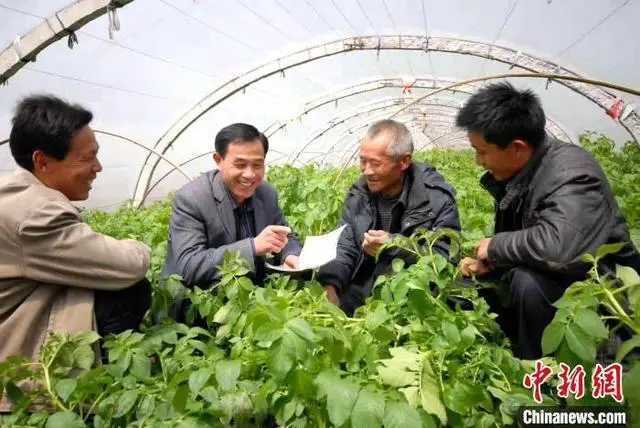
(469, 267)
(481, 249)
(272, 239)
(373, 240)
(292, 261)
(332, 294)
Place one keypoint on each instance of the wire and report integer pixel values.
(495, 39)
(592, 29)
(294, 18)
(406, 57)
(101, 85)
(344, 17)
(269, 23)
(207, 25)
(426, 33)
(367, 16)
(148, 55)
(321, 18)
(19, 11)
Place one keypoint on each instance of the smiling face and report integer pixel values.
(383, 174)
(74, 174)
(242, 168)
(501, 163)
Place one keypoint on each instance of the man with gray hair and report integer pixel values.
(395, 196)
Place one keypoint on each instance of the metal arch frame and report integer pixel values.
(283, 156)
(388, 104)
(201, 155)
(368, 85)
(354, 142)
(414, 117)
(62, 23)
(142, 146)
(414, 123)
(414, 120)
(380, 104)
(384, 104)
(390, 42)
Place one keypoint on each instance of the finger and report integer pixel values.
(275, 243)
(277, 238)
(281, 230)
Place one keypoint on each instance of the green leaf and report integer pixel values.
(210, 394)
(125, 403)
(302, 329)
(84, 357)
(227, 373)
(341, 396)
(588, 258)
(180, 398)
(198, 379)
(268, 333)
(65, 388)
(468, 335)
(590, 323)
(397, 265)
(401, 415)
(280, 361)
(552, 337)
(303, 384)
(222, 315)
(628, 275)
(368, 411)
(609, 249)
(582, 346)
(376, 318)
(630, 278)
(140, 365)
(397, 376)
(627, 347)
(451, 332)
(14, 392)
(87, 338)
(64, 420)
(430, 392)
(146, 407)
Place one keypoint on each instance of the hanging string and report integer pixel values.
(114, 21)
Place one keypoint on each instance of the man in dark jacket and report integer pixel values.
(395, 196)
(229, 209)
(553, 204)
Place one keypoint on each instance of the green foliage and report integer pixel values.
(282, 355)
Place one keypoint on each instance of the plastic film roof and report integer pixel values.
(311, 74)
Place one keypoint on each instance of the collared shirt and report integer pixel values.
(391, 209)
(245, 224)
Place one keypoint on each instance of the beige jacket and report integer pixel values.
(50, 263)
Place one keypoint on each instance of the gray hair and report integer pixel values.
(402, 140)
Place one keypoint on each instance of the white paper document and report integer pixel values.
(317, 251)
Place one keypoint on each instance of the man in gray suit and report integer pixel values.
(229, 209)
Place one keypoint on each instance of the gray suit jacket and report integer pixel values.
(202, 228)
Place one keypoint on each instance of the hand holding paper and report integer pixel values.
(317, 251)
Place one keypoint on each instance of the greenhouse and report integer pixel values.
(251, 337)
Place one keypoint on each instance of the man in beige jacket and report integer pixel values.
(56, 273)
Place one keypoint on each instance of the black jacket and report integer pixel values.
(430, 204)
(557, 208)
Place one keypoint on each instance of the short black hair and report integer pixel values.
(502, 113)
(239, 133)
(46, 123)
